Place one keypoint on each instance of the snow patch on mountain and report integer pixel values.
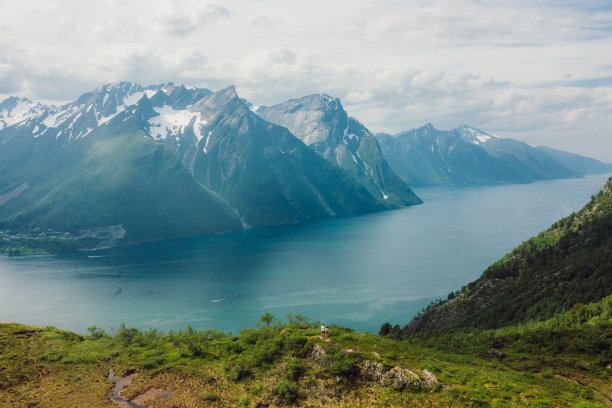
(128, 100)
(171, 122)
(475, 136)
(205, 149)
(58, 117)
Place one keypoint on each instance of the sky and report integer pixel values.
(537, 71)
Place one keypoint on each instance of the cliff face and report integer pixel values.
(321, 122)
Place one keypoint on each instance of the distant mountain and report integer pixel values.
(321, 122)
(567, 264)
(158, 162)
(465, 155)
(14, 110)
(584, 165)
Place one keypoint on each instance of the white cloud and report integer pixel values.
(181, 18)
(514, 67)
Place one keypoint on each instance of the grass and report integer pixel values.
(289, 365)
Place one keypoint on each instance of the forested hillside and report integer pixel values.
(568, 264)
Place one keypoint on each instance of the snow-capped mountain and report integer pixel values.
(14, 110)
(163, 161)
(466, 155)
(321, 122)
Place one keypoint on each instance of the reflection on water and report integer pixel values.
(357, 271)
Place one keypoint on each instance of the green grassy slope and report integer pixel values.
(290, 365)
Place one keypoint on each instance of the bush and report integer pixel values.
(127, 336)
(240, 371)
(287, 390)
(95, 333)
(344, 366)
(295, 369)
(234, 346)
(297, 344)
(266, 353)
(53, 355)
(210, 397)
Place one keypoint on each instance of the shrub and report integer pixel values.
(234, 346)
(127, 336)
(240, 371)
(295, 369)
(297, 344)
(287, 390)
(267, 319)
(210, 397)
(53, 355)
(95, 333)
(344, 366)
(266, 353)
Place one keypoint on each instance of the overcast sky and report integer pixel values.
(538, 71)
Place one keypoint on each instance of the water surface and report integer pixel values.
(356, 271)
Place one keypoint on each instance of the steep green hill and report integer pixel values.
(568, 264)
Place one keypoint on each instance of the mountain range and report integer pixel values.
(126, 163)
(469, 156)
(167, 161)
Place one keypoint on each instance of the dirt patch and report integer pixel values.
(140, 400)
(120, 383)
(152, 393)
(26, 333)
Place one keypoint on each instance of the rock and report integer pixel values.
(396, 377)
(496, 354)
(371, 370)
(400, 377)
(317, 352)
(430, 380)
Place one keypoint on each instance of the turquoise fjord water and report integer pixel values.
(355, 271)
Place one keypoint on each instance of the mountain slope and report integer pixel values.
(465, 155)
(584, 165)
(107, 179)
(321, 122)
(569, 263)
